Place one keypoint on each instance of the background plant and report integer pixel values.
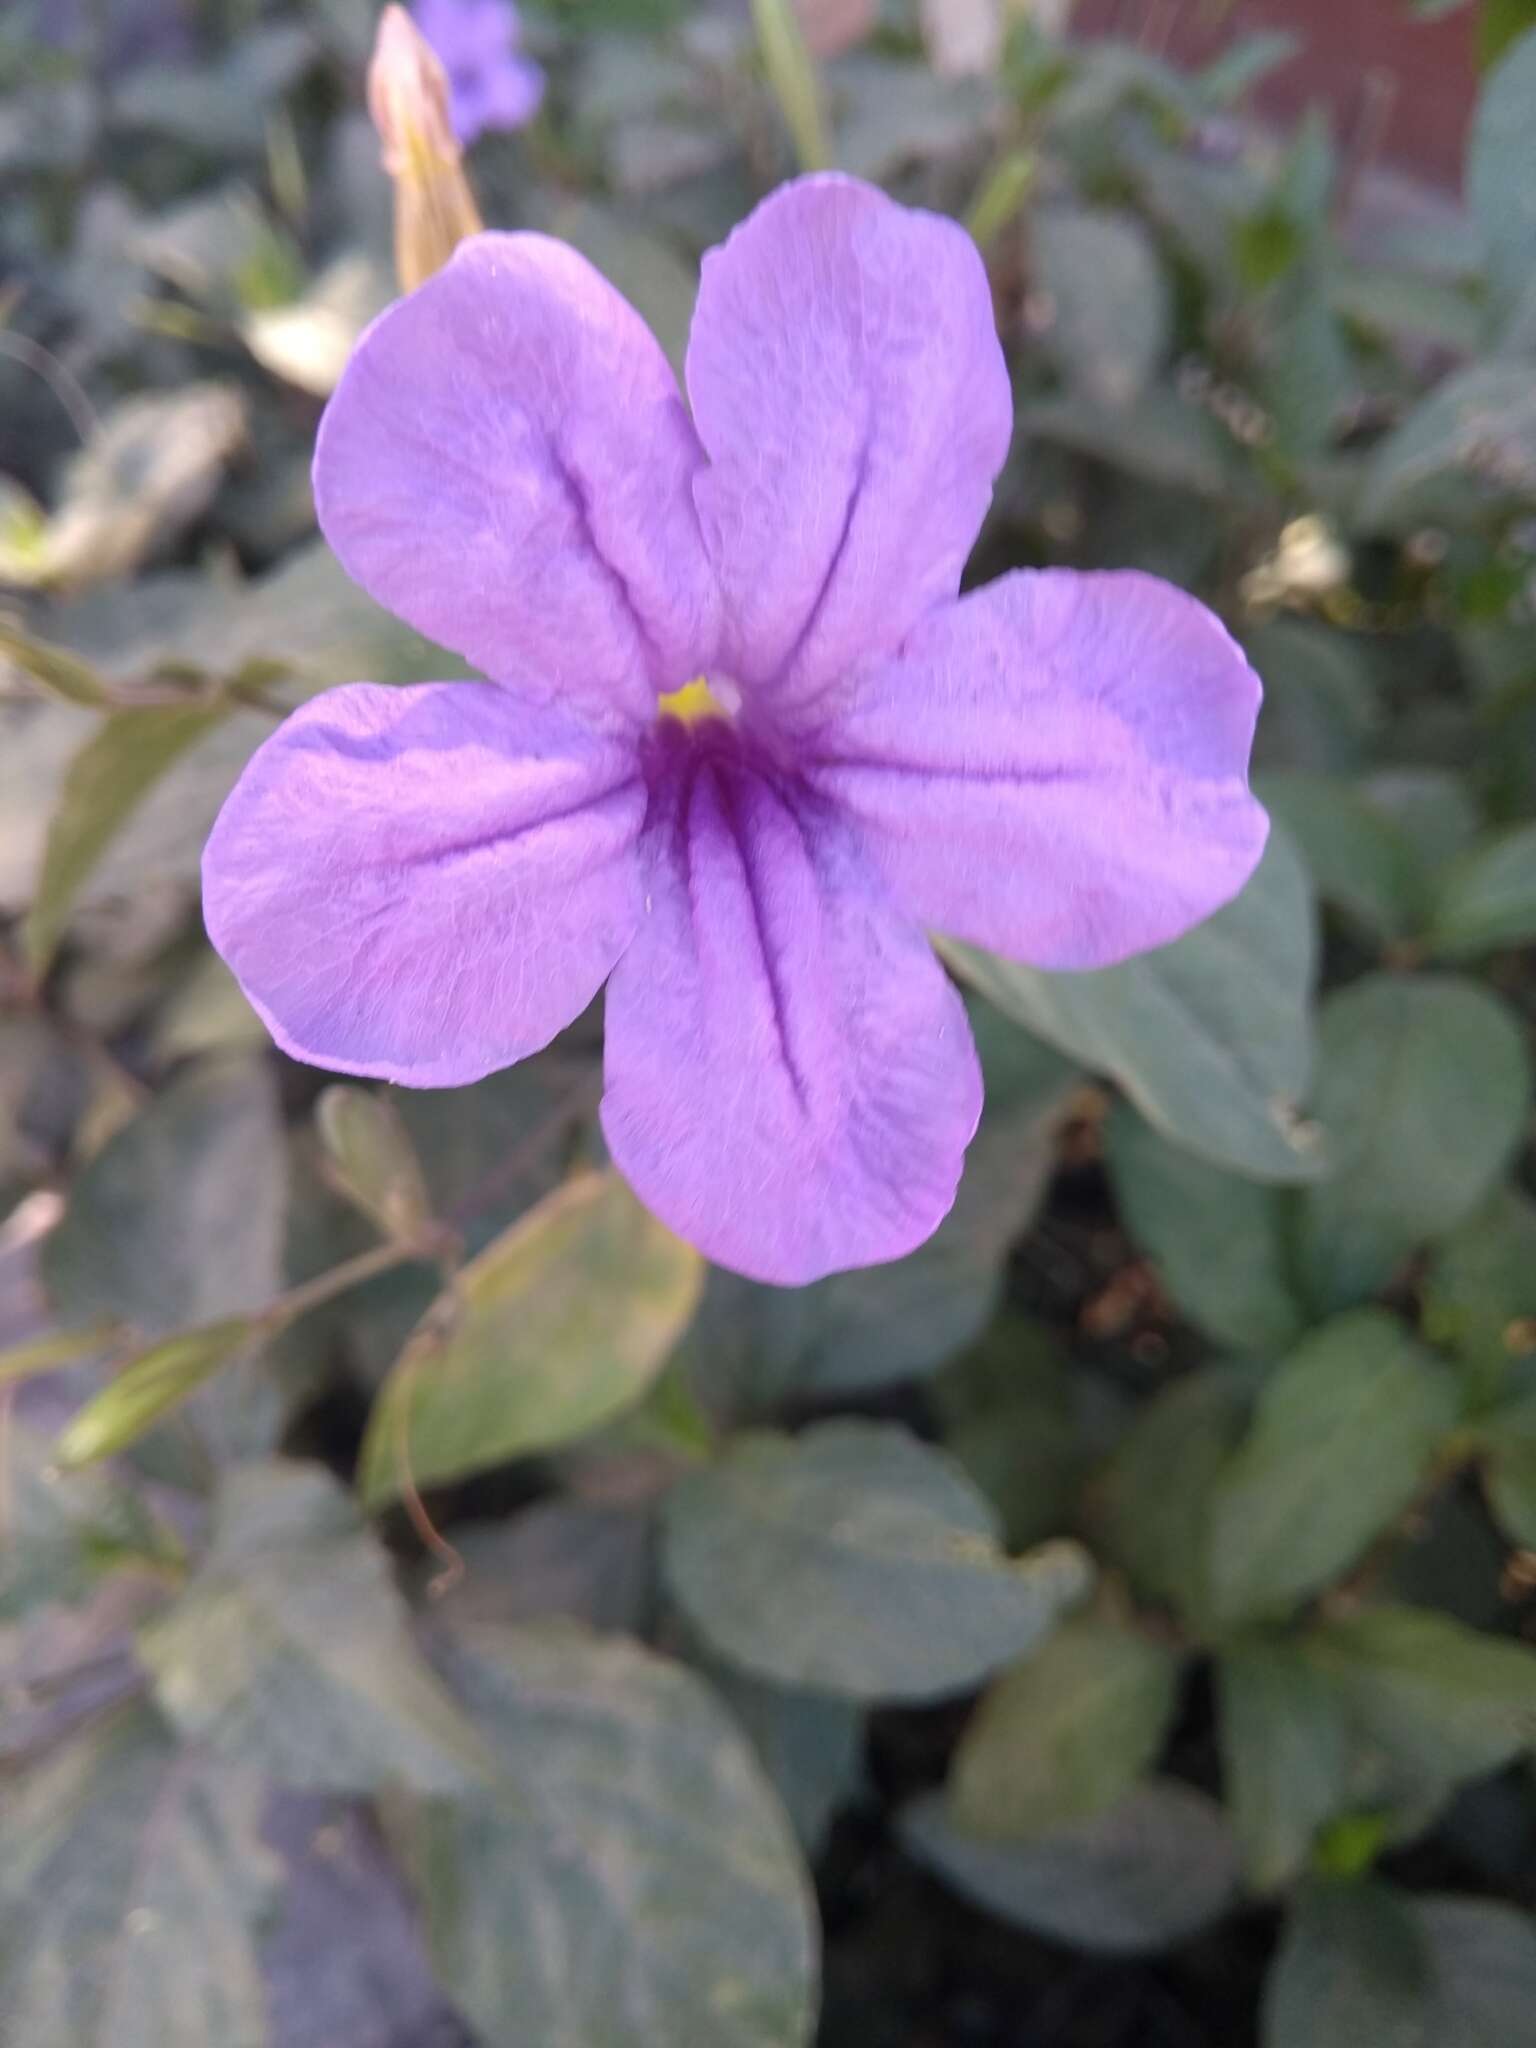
(429, 1599)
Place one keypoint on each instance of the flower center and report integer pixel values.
(696, 701)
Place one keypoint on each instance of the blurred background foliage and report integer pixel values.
(434, 1610)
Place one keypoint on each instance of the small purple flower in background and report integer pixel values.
(492, 84)
(744, 740)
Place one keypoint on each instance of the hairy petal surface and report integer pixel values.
(507, 464)
(1055, 766)
(425, 884)
(791, 1082)
(849, 389)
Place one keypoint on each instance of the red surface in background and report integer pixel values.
(1402, 89)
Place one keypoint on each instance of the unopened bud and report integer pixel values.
(408, 100)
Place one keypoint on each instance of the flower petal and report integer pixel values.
(1055, 766)
(791, 1082)
(848, 386)
(507, 465)
(425, 884)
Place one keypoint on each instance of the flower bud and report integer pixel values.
(408, 100)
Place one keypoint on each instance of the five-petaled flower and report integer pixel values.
(744, 741)
(491, 83)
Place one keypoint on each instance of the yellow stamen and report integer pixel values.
(693, 703)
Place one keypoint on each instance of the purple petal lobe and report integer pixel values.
(425, 884)
(1055, 766)
(791, 1082)
(849, 389)
(507, 464)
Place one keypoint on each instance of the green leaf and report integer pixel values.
(559, 1326)
(631, 1824)
(1352, 1968)
(107, 781)
(855, 1560)
(1066, 1734)
(1480, 422)
(1007, 1415)
(1482, 1957)
(1445, 1702)
(1161, 438)
(1360, 857)
(289, 1650)
(131, 1891)
(1151, 1505)
(1145, 1875)
(1488, 900)
(1423, 1087)
(1479, 1293)
(1320, 707)
(65, 1533)
(1211, 1037)
(178, 1220)
(150, 1385)
(1110, 326)
(372, 1160)
(1501, 170)
(1344, 1433)
(1408, 302)
(1283, 1756)
(1219, 1242)
(1506, 1438)
(810, 1744)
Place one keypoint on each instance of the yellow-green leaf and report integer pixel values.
(556, 1328)
(158, 1379)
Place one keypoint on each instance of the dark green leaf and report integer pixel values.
(1211, 1037)
(1360, 858)
(1507, 1438)
(1108, 297)
(1342, 1438)
(289, 1650)
(132, 1886)
(179, 1219)
(1481, 422)
(1147, 1874)
(855, 1560)
(65, 1532)
(810, 1744)
(556, 1328)
(1065, 1734)
(1007, 1414)
(1219, 1242)
(1501, 170)
(1482, 1957)
(107, 781)
(1320, 705)
(1161, 439)
(1488, 900)
(1423, 1086)
(1151, 1506)
(630, 1824)
(1445, 1702)
(1283, 1757)
(1479, 1294)
(372, 1160)
(1352, 1968)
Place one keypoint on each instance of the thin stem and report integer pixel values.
(312, 1294)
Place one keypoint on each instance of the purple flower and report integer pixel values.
(491, 83)
(426, 884)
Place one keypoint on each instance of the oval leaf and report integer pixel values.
(1066, 1734)
(1423, 1088)
(559, 1326)
(1343, 1435)
(372, 1160)
(855, 1560)
(1211, 1037)
(631, 1823)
